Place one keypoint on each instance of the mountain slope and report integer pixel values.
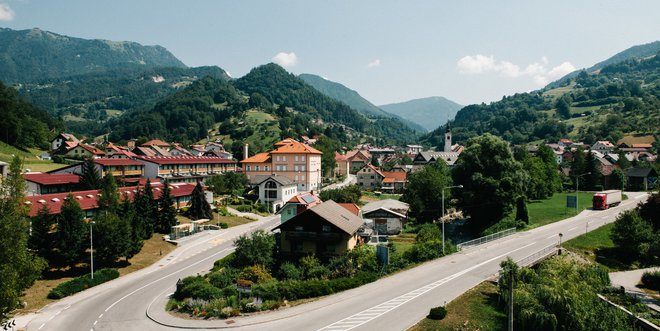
(619, 99)
(353, 99)
(428, 112)
(638, 51)
(34, 55)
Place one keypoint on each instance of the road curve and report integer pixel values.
(395, 302)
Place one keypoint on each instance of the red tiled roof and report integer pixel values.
(184, 159)
(340, 157)
(290, 146)
(259, 158)
(642, 145)
(353, 208)
(156, 142)
(299, 199)
(51, 179)
(89, 199)
(92, 149)
(125, 153)
(394, 176)
(117, 162)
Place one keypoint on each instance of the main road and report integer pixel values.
(396, 302)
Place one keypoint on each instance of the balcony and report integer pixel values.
(308, 235)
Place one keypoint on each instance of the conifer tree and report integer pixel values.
(90, 179)
(167, 213)
(71, 235)
(112, 238)
(127, 211)
(18, 267)
(40, 240)
(199, 207)
(109, 199)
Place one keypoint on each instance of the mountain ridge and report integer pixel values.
(424, 111)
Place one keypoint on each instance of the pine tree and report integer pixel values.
(199, 207)
(71, 235)
(623, 162)
(521, 210)
(90, 179)
(112, 238)
(145, 209)
(18, 267)
(127, 211)
(109, 199)
(40, 240)
(167, 214)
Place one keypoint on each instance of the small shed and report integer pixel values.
(642, 178)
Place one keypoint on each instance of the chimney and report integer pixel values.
(245, 152)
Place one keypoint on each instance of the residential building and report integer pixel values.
(389, 216)
(60, 140)
(603, 146)
(88, 200)
(156, 142)
(642, 178)
(342, 165)
(324, 230)
(290, 158)
(38, 183)
(357, 160)
(370, 178)
(381, 153)
(424, 158)
(297, 205)
(124, 168)
(185, 168)
(275, 190)
(413, 149)
(84, 151)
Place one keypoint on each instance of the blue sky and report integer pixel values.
(388, 51)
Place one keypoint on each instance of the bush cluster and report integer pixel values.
(651, 279)
(437, 313)
(82, 283)
(303, 289)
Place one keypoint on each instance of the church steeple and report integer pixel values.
(448, 139)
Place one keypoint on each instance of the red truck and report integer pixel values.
(606, 199)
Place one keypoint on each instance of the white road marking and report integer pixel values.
(370, 314)
(551, 236)
(95, 322)
(42, 325)
(100, 316)
(573, 228)
(166, 276)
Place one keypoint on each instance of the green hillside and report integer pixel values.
(34, 55)
(428, 112)
(620, 99)
(353, 99)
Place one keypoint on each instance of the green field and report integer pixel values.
(29, 156)
(476, 309)
(596, 246)
(542, 212)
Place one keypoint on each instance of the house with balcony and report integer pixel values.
(61, 139)
(118, 167)
(297, 205)
(84, 151)
(275, 190)
(290, 158)
(39, 183)
(190, 169)
(325, 230)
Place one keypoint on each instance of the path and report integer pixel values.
(629, 280)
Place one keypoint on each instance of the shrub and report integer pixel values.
(256, 273)
(197, 288)
(651, 279)
(223, 225)
(424, 251)
(223, 278)
(82, 283)
(437, 313)
(224, 262)
(256, 249)
(289, 271)
(428, 232)
(244, 208)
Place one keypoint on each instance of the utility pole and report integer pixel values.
(510, 322)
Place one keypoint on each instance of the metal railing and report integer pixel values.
(485, 239)
(537, 256)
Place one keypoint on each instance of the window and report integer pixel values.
(302, 168)
(298, 228)
(266, 168)
(326, 228)
(295, 178)
(296, 158)
(277, 158)
(283, 157)
(302, 177)
(256, 168)
(277, 168)
(295, 168)
(248, 168)
(284, 167)
(302, 158)
(372, 177)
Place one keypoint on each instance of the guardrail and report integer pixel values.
(537, 256)
(485, 239)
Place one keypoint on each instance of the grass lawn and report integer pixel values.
(29, 156)
(476, 309)
(231, 220)
(368, 196)
(596, 246)
(542, 212)
(403, 242)
(36, 296)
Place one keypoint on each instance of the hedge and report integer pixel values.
(196, 287)
(82, 283)
(651, 279)
(303, 289)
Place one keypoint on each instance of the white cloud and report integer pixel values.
(561, 70)
(540, 75)
(374, 63)
(6, 13)
(286, 59)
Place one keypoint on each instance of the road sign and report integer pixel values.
(571, 201)
(383, 254)
(244, 286)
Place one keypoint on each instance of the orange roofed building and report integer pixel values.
(290, 158)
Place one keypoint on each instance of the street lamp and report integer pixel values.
(443, 215)
(560, 235)
(91, 247)
(577, 190)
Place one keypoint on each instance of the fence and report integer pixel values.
(485, 239)
(539, 255)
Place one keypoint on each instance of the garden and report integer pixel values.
(268, 281)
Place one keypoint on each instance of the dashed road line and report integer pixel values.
(372, 313)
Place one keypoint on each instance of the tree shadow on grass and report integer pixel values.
(612, 258)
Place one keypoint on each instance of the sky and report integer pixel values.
(388, 51)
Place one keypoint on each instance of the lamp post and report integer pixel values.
(443, 215)
(560, 235)
(577, 190)
(91, 247)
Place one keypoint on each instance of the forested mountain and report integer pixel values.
(428, 112)
(266, 104)
(353, 99)
(635, 52)
(34, 55)
(22, 124)
(621, 98)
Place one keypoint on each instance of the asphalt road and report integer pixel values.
(392, 303)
